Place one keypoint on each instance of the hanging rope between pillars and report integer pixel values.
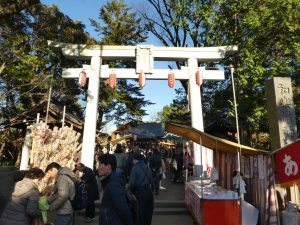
(239, 153)
(201, 167)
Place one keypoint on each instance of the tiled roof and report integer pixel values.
(146, 131)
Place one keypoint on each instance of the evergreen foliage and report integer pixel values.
(267, 34)
(178, 111)
(28, 67)
(119, 26)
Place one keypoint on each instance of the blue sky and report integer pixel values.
(157, 92)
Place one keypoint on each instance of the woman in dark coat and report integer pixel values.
(22, 207)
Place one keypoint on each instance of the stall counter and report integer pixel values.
(212, 205)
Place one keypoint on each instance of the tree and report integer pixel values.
(180, 23)
(120, 26)
(28, 66)
(189, 23)
(267, 33)
(28, 63)
(178, 111)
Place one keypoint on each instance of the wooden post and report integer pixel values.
(26, 149)
(63, 119)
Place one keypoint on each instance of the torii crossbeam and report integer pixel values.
(145, 55)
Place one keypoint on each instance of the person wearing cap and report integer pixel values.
(139, 184)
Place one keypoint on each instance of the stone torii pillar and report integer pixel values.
(145, 55)
(90, 120)
(196, 112)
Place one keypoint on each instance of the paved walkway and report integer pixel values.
(168, 207)
(171, 194)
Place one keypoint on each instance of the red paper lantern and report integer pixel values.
(112, 80)
(142, 79)
(199, 78)
(171, 80)
(82, 78)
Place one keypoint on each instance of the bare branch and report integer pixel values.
(4, 95)
(2, 67)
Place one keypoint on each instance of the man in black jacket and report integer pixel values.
(114, 209)
(139, 183)
(88, 177)
(155, 166)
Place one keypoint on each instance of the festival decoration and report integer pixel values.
(82, 78)
(112, 80)
(142, 79)
(199, 78)
(171, 80)
(58, 145)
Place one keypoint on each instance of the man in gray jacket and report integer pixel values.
(60, 201)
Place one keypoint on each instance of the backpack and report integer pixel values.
(133, 206)
(81, 196)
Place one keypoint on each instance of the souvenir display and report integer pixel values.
(58, 145)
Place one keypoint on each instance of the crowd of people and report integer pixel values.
(138, 171)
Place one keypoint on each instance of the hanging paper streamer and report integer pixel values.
(171, 80)
(142, 79)
(112, 80)
(82, 78)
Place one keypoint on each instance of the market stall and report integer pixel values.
(257, 169)
(205, 199)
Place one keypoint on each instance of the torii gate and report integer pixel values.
(145, 55)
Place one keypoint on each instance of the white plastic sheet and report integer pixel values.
(249, 214)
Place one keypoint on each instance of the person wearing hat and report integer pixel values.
(139, 184)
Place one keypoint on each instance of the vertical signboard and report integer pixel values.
(283, 129)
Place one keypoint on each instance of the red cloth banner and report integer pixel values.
(287, 162)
